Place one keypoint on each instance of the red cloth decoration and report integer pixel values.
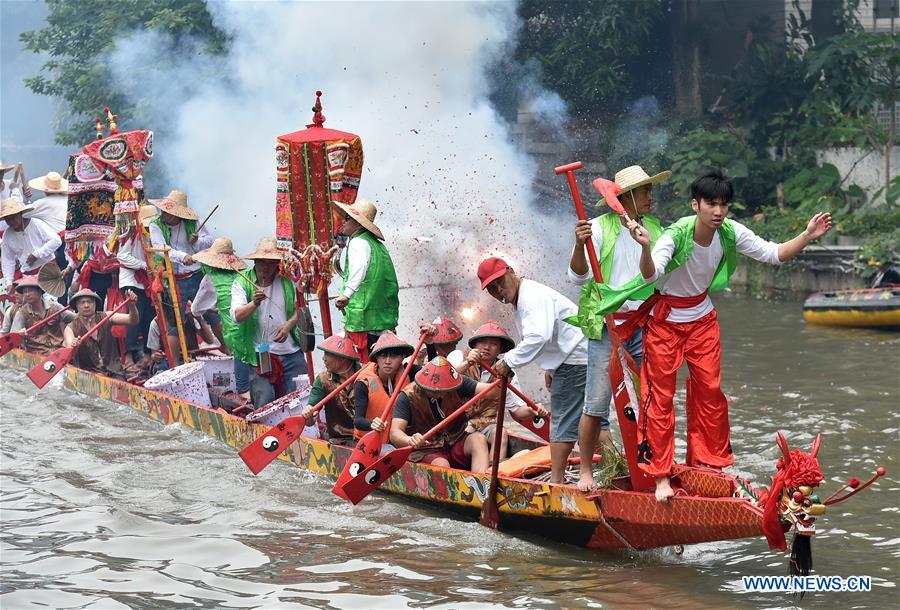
(802, 470)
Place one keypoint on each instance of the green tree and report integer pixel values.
(583, 46)
(81, 33)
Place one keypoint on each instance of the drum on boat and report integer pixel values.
(219, 372)
(288, 406)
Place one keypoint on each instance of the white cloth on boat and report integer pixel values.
(695, 276)
(180, 245)
(626, 263)
(547, 339)
(36, 238)
(271, 314)
(357, 256)
(206, 297)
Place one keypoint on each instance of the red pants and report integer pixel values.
(361, 341)
(666, 346)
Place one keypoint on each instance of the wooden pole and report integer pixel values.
(176, 304)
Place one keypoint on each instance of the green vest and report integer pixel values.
(190, 227)
(223, 280)
(589, 319)
(682, 233)
(375, 305)
(244, 347)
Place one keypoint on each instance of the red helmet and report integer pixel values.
(438, 376)
(447, 331)
(340, 346)
(492, 330)
(389, 340)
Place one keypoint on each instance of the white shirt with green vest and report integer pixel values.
(696, 274)
(272, 314)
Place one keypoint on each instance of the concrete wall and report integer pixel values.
(868, 171)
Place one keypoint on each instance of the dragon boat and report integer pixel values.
(865, 308)
(710, 505)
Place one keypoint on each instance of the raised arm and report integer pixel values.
(818, 225)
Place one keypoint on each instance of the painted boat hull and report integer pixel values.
(612, 518)
(867, 308)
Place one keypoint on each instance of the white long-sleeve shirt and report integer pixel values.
(625, 267)
(357, 256)
(37, 238)
(206, 297)
(547, 339)
(695, 276)
(131, 259)
(52, 210)
(180, 245)
(271, 314)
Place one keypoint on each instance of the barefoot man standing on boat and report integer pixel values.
(557, 347)
(620, 258)
(694, 256)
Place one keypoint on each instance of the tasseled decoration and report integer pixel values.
(801, 557)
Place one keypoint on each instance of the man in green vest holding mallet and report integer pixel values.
(369, 293)
(619, 257)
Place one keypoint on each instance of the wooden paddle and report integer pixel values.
(369, 446)
(538, 424)
(490, 516)
(42, 373)
(263, 451)
(369, 479)
(208, 216)
(15, 338)
(618, 364)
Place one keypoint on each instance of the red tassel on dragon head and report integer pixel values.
(792, 502)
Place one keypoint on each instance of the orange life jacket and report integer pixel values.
(378, 399)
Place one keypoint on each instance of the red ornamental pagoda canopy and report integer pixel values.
(315, 167)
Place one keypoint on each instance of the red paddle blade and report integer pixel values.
(610, 190)
(627, 415)
(8, 342)
(42, 373)
(539, 425)
(263, 451)
(372, 477)
(364, 455)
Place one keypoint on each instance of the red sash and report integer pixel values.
(664, 304)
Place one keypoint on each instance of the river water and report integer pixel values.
(103, 508)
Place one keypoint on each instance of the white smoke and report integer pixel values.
(410, 79)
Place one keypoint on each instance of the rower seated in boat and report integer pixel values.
(437, 392)
(341, 360)
(98, 353)
(48, 337)
(488, 342)
(374, 386)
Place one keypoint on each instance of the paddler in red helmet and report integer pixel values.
(489, 341)
(341, 360)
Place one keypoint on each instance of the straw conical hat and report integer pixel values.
(51, 183)
(389, 340)
(4, 166)
(29, 281)
(220, 255)
(492, 330)
(634, 176)
(447, 331)
(13, 206)
(340, 346)
(51, 279)
(176, 204)
(266, 250)
(147, 214)
(86, 292)
(363, 212)
(438, 376)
